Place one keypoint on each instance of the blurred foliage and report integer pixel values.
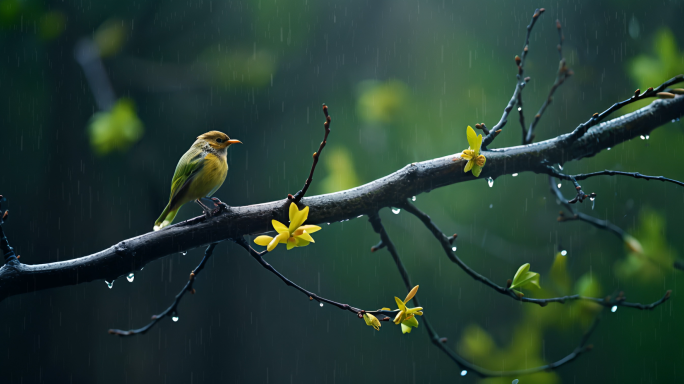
(667, 61)
(382, 102)
(658, 256)
(524, 351)
(116, 129)
(227, 66)
(110, 37)
(341, 173)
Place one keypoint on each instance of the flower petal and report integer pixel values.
(467, 154)
(411, 294)
(471, 135)
(263, 240)
(302, 242)
(405, 328)
(468, 166)
(291, 243)
(399, 317)
(476, 170)
(372, 321)
(310, 228)
(305, 236)
(400, 304)
(298, 219)
(279, 227)
(412, 322)
(275, 241)
(293, 211)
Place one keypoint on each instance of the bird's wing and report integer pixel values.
(188, 167)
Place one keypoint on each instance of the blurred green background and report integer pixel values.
(85, 167)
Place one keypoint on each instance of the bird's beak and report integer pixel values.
(234, 142)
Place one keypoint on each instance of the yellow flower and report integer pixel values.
(297, 235)
(524, 278)
(406, 316)
(372, 321)
(472, 154)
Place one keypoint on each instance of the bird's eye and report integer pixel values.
(219, 140)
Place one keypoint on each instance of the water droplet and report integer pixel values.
(490, 181)
(175, 318)
(519, 109)
(593, 203)
(609, 148)
(514, 175)
(359, 216)
(647, 136)
(559, 185)
(453, 248)
(643, 137)
(564, 252)
(413, 198)
(396, 211)
(515, 381)
(614, 308)
(592, 198)
(321, 305)
(328, 223)
(673, 121)
(184, 253)
(130, 277)
(560, 167)
(464, 372)
(110, 284)
(491, 206)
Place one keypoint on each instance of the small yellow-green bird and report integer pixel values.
(199, 173)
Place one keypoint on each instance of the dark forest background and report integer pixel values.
(402, 80)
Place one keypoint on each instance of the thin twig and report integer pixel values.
(172, 310)
(637, 175)
(446, 246)
(563, 73)
(5, 247)
(440, 342)
(258, 256)
(598, 117)
(519, 83)
(298, 196)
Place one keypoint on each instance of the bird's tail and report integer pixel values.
(166, 217)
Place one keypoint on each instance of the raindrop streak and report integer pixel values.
(564, 252)
(130, 277)
(110, 285)
(321, 305)
(593, 202)
(453, 248)
(175, 319)
(490, 181)
(413, 198)
(514, 175)
(464, 372)
(396, 211)
(614, 308)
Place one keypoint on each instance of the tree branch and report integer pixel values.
(173, 309)
(298, 196)
(414, 179)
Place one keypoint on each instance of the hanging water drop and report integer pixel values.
(559, 185)
(321, 305)
(396, 211)
(413, 198)
(515, 381)
(174, 318)
(647, 136)
(491, 206)
(184, 253)
(614, 308)
(453, 248)
(514, 175)
(359, 216)
(593, 202)
(490, 181)
(560, 167)
(609, 148)
(643, 137)
(464, 372)
(110, 284)
(564, 252)
(130, 277)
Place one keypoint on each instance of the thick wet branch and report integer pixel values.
(132, 254)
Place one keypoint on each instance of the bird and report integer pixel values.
(199, 174)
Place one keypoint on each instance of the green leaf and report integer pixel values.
(116, 129)
(524, 278)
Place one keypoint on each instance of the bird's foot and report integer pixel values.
(219, 205)
(211, 206)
